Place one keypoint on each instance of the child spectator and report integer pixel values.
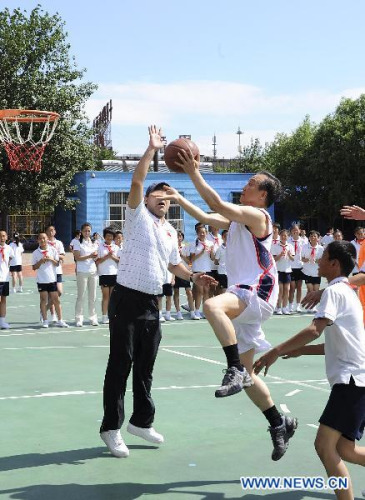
(107, 264)
(283, 254)
(16, 263)
(6, 256)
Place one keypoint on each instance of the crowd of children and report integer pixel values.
(96, 262)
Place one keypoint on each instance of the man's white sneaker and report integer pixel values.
(149, 434)
(194, 316)
(179, 316)
(94, 322)
(79, 323)
(168, 317)
(115, 443)
(45, 323)
(62, 324)
(105, 319)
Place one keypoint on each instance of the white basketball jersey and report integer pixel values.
(249, 261)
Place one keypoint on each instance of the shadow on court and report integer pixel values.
(133, 491)
(70, 457)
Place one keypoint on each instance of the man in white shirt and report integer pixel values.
(328, 237)
(150, 250)
(339, 315)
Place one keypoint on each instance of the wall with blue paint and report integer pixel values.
(94, 188)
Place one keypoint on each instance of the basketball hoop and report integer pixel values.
(17, 128)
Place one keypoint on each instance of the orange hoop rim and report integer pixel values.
(20, 115)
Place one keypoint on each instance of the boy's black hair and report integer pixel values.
(345, 253)
(272, 186)
(118, 232)
(284, 231)
(108, 230)
(313, 231)
(198, 225)
(277, 225)
(181, 233)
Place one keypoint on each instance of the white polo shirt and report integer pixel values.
(297, 245)
(345, 337)
(47, 272)
(326, 239)
(18, 250)
(284, 263)
(109, 267)
(150, 244)
(203, 263)
(6, 259)
(87, 247)
(220, 255)
(58, 245)
(217, 241)
(313, 253)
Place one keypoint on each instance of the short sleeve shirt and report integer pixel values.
(345, 336)
(6, 259)
(109, 267)
(47, 272)
(203, 263)
(284, 263)
(18, 250)
(86, 247)
(150, 244)
(58, 245)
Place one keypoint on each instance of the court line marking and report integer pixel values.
(88, 393)
(313, 425)
(275, 378)
(284, 408)
(292, 393)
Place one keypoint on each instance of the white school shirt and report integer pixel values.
(273, 243)
(73, 241)
(305, 239)
(58, 245)
(311, 268)
(220, 255)
(217, 241)
(150, 244)
(326, 240)
(18, 250)
(297, 245)
(6, 259)
(344, 337)
(249, 261)
(357, 246)
(85, 248)
(185, 252)
(203, 263)
(47, 272)
(284, 263)
(109, 267)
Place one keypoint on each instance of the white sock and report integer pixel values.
(168, 314)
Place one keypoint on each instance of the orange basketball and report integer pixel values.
(175, 147)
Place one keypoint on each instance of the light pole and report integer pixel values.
(239, 133)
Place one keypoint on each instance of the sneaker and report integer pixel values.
(149, 433)
(279, 311)
(161, 319)
(295, 307)
(168, 317)
(14, 290)
(45, 323)
(105, 319)
(62, 324)
(4, 325)
(286, 311)
(94, 322)
(179, 316)
(291, 308)
(54, 318)
(20, 289)
(202, 315)
(79, 323)
(280, 436)
(185, 307)
(115, 443)
(276, 310)
(195, 316)
(233, 382)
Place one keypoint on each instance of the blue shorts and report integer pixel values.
(284, 277)
(297, 274)
(312, 280)
(345, 410)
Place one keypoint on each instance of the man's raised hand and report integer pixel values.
(156, 141)
(187, 162)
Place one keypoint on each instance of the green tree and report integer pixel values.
(38, 72)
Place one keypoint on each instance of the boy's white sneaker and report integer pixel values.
(286, 311)
(62, 324)
(79, 323)
(149, 433)
(20, 289)
(179, 316)
(4, 325)
(105, 319)
(195, 316)
(168, 317)
(161, 319)
(45, 323)
(94, 322)
(279, 311)
(115, 443)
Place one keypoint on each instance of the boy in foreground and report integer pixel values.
(339, 315)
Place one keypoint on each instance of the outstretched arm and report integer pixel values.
(353, 212)
(215, 220)
(252, 217)
(136, 193)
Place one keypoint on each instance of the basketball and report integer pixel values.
(177, 146)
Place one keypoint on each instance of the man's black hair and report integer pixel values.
(345, 253)
(272, 186)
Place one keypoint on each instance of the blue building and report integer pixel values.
(102, 199)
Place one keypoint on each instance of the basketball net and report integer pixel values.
(16, 134)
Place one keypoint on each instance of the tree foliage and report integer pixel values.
(38, 72)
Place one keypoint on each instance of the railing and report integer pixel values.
(118, 225)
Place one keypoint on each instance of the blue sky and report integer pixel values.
(205, 67)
